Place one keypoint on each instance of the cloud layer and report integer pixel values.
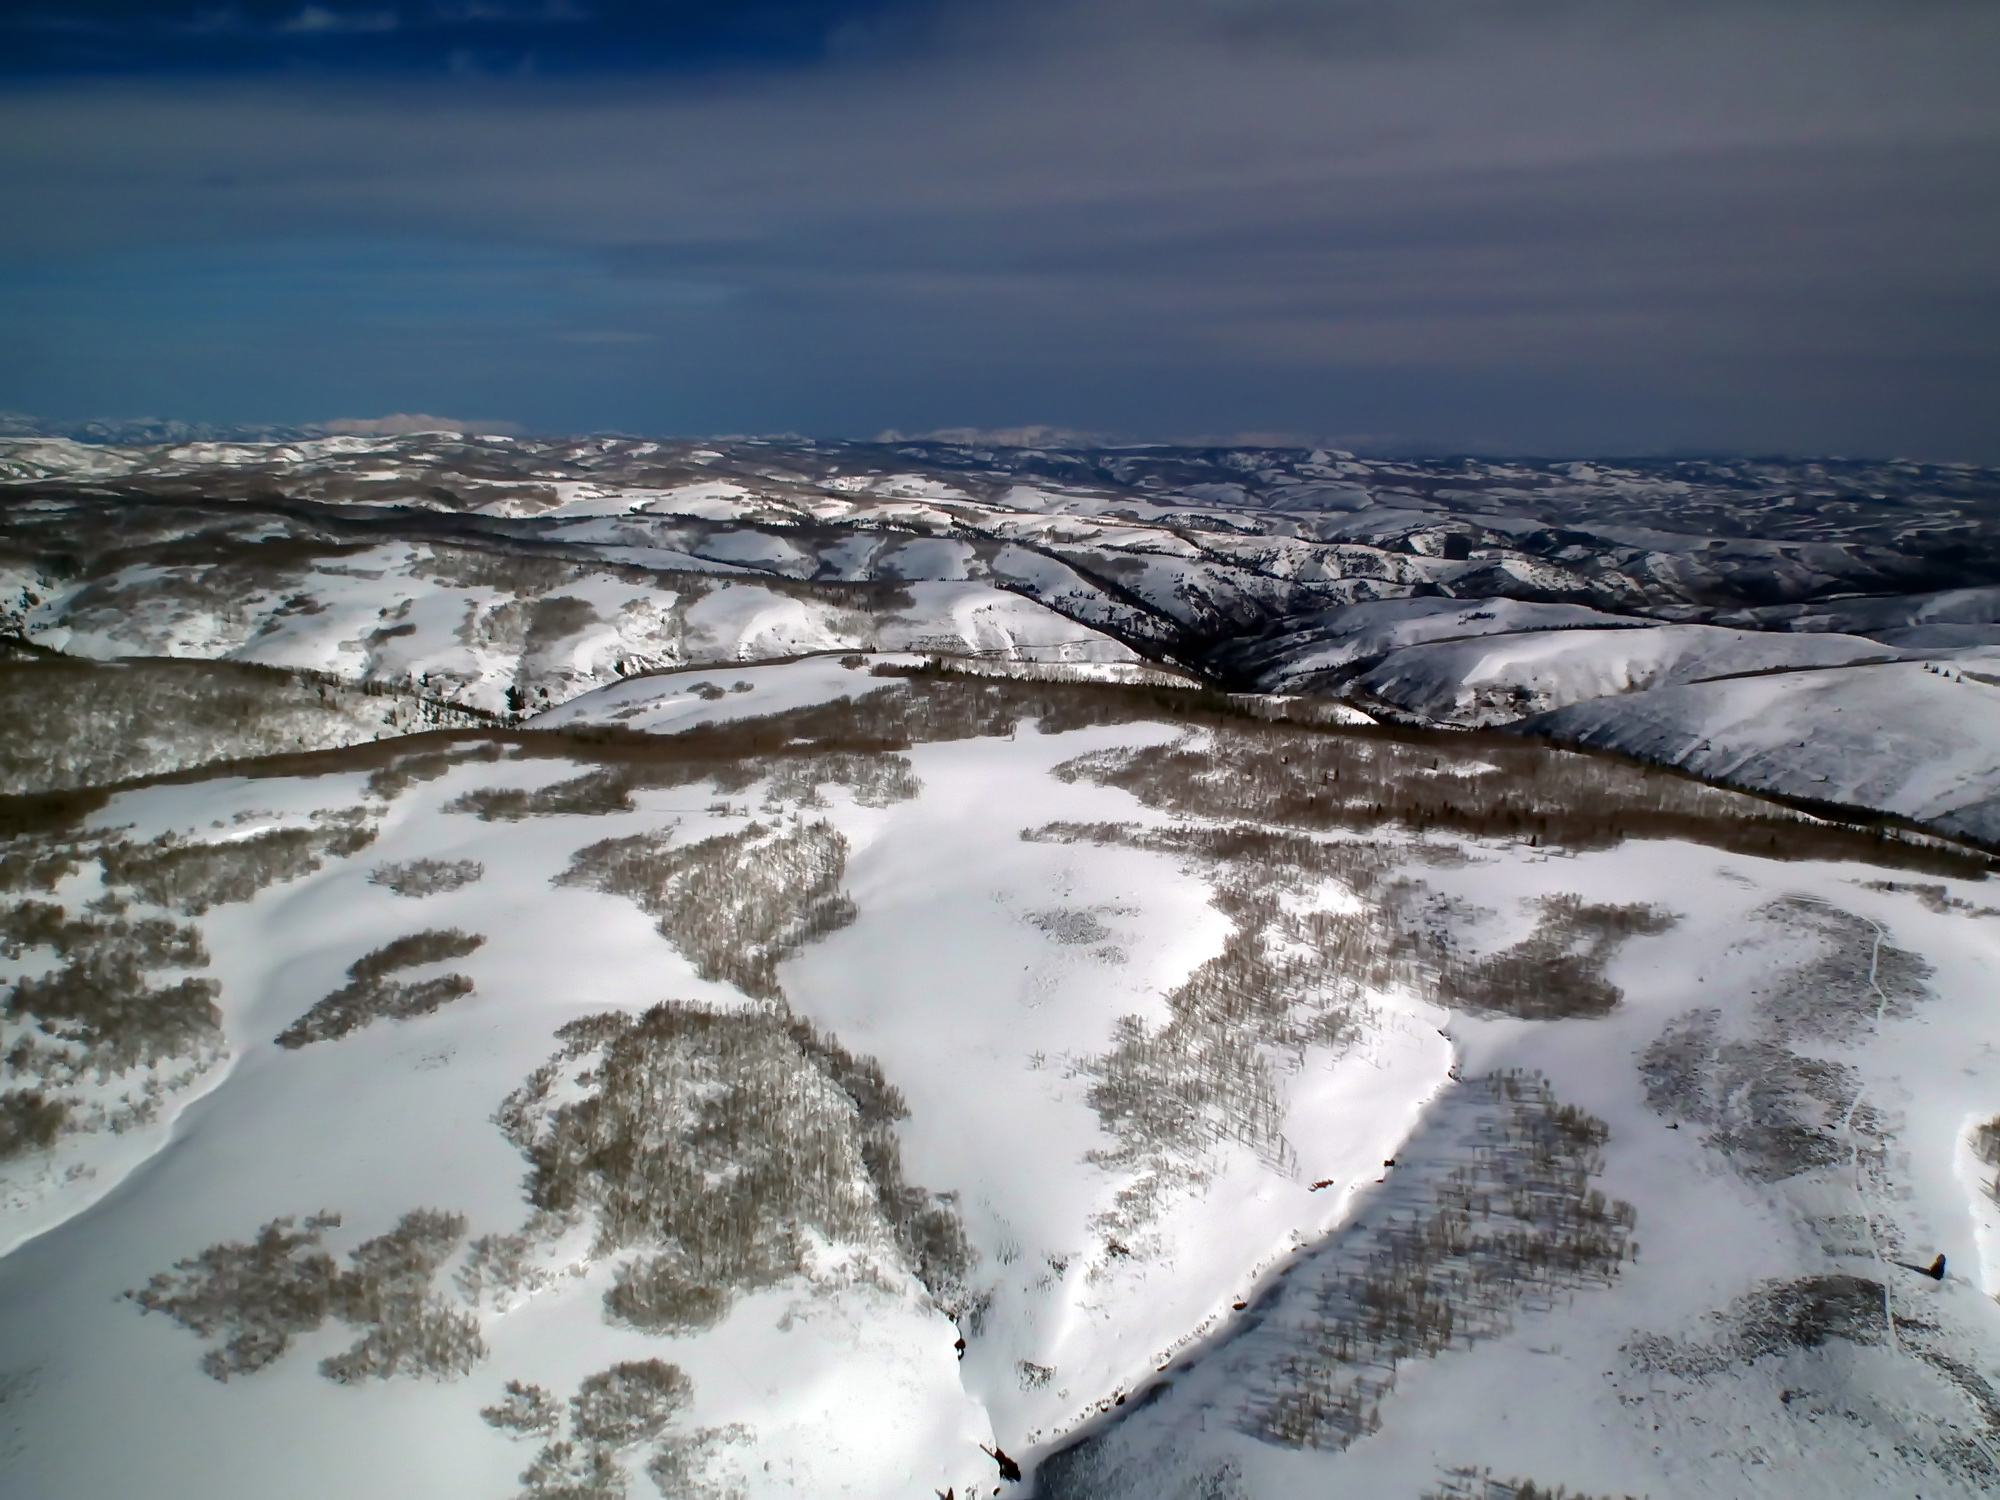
(1497, 224)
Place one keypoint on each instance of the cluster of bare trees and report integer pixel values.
(1512, 1222)
(371, 995)
(712, 1145)
(735, 904)
(417, 878)
(252, 1298)
(1478, 786)
(75, 723)
(96, 1014)
(1481, 1484)
(1557, 971)
(632, 1410)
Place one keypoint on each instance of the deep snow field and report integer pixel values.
(791, 1080)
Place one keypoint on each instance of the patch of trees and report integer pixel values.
(632, 1412)
(417, 878)
(735, 904)
(1557, 971)
(370, 994)
(1515, 1221)
(713, 1145)
(251, 1299)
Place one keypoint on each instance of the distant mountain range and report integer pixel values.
(1681, 600)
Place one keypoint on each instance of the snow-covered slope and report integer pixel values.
(496, 630)
(1496, 681)
(1918, 739)
(1964, 608)
(76, 724)
(1768, 1118)
(878, 1098)
(1331, 647)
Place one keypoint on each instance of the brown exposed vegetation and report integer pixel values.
(521, 575)
(1777, 1317)
(1480, 1484)
(1986, 1142)
(527, 1411)
(1285, 981)
(735, 904)
(252, 1299)
(1956, 1426)
(595, 792)
(500, 1267)
(74, 723)
(876, 781)
(1475, 787)
(96, 1011)
(370, 995)
(29, 1121)
(1516, 1224)
(192, 877)
(614, 1414)
(1503, 1220)
(386, 1293)
(31, 863)
(712, 1143)
(40, 814)
(405, 768)
(1070, 927)
(1772, 1111)
(1854, 972)
(1934, 898)
(417, 878)
(1558, 970)
(1260, 766)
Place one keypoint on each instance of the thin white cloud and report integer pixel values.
(320, 20)
(1034, 435)
(402, 423)
(505, 12)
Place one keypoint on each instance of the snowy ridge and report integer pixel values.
(1915, 739)
(1483, 682)
(511, 574)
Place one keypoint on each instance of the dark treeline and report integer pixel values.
(1258, 764)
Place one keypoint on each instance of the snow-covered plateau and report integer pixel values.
(578, 971)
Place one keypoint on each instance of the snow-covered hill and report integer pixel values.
(1485, 681)
(510, 575)
(77, 724)
(898, 1083)
(1912, 738)
(496, 630)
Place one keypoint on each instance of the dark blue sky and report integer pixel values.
(71, 38)
(1508, 225)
